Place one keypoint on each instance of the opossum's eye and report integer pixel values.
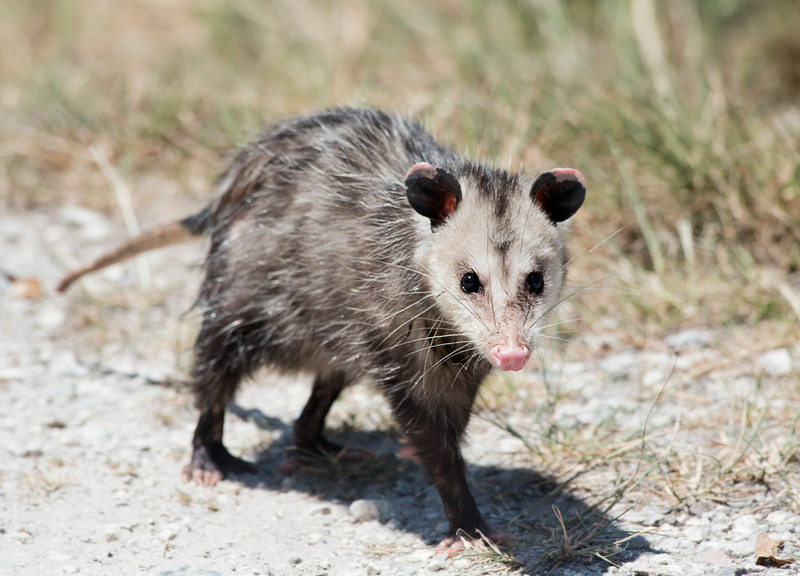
(470, 283)
(535, 283)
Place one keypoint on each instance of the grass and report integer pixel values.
(697, 438)
(683, 118)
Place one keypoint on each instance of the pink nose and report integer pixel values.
(510, 357)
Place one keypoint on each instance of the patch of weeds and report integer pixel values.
(487, 557)
(585, 536)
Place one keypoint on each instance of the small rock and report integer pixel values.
(638, 543)
(694, 533)
(22, 536)
(436, 565)
(778, 516)
(66, 364)
(169, 532)
(713, 557)
(621, 365)
(50, 317)
(691, 338)
(746, 525)
(646, 516)
(367, 510)
(420, 555)
(728, 571)
(741, 548)
(776, 362)
(295, 560)
(402, 568)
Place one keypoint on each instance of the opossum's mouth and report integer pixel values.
(510, 356)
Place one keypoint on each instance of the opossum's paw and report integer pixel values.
(454, 545)
(210, 465)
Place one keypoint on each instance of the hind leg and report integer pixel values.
(211, 461)
(218, 369)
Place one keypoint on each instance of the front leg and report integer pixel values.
(434, 424)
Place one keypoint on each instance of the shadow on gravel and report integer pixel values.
(522, 502)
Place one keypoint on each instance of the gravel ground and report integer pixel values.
(95, 425)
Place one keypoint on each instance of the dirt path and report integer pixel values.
(95, 428)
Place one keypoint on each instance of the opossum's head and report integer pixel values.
(496, 254)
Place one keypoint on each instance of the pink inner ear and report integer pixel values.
(422, 170)
(450, 204)
(562, 174)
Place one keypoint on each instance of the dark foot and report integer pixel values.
(209, 465)
(453, 545)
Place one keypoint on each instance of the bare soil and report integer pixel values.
(95, 424)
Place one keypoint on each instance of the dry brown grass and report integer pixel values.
(682, 115)
(683, 120)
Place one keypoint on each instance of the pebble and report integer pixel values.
(620, 365)
(169, 532)
(646, 516)
(713, 557)
(99, 447)
(691, 338)
(400, 568)
(746, 525)
(50, 316)
(694, 533)
(776, 362)
(728, 571)
(778, 516)
(368, 510)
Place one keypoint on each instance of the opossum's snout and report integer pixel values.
(510, 356)
(507, 349)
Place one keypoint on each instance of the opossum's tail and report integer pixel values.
(173, 233)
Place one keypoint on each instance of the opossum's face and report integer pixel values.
(496, 257)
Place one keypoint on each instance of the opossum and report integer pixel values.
(351, 244)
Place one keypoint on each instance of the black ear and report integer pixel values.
(433, 192)
(559, 193)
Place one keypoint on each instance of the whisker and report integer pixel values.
(567, 297)
(595, 246)
(420, 379)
